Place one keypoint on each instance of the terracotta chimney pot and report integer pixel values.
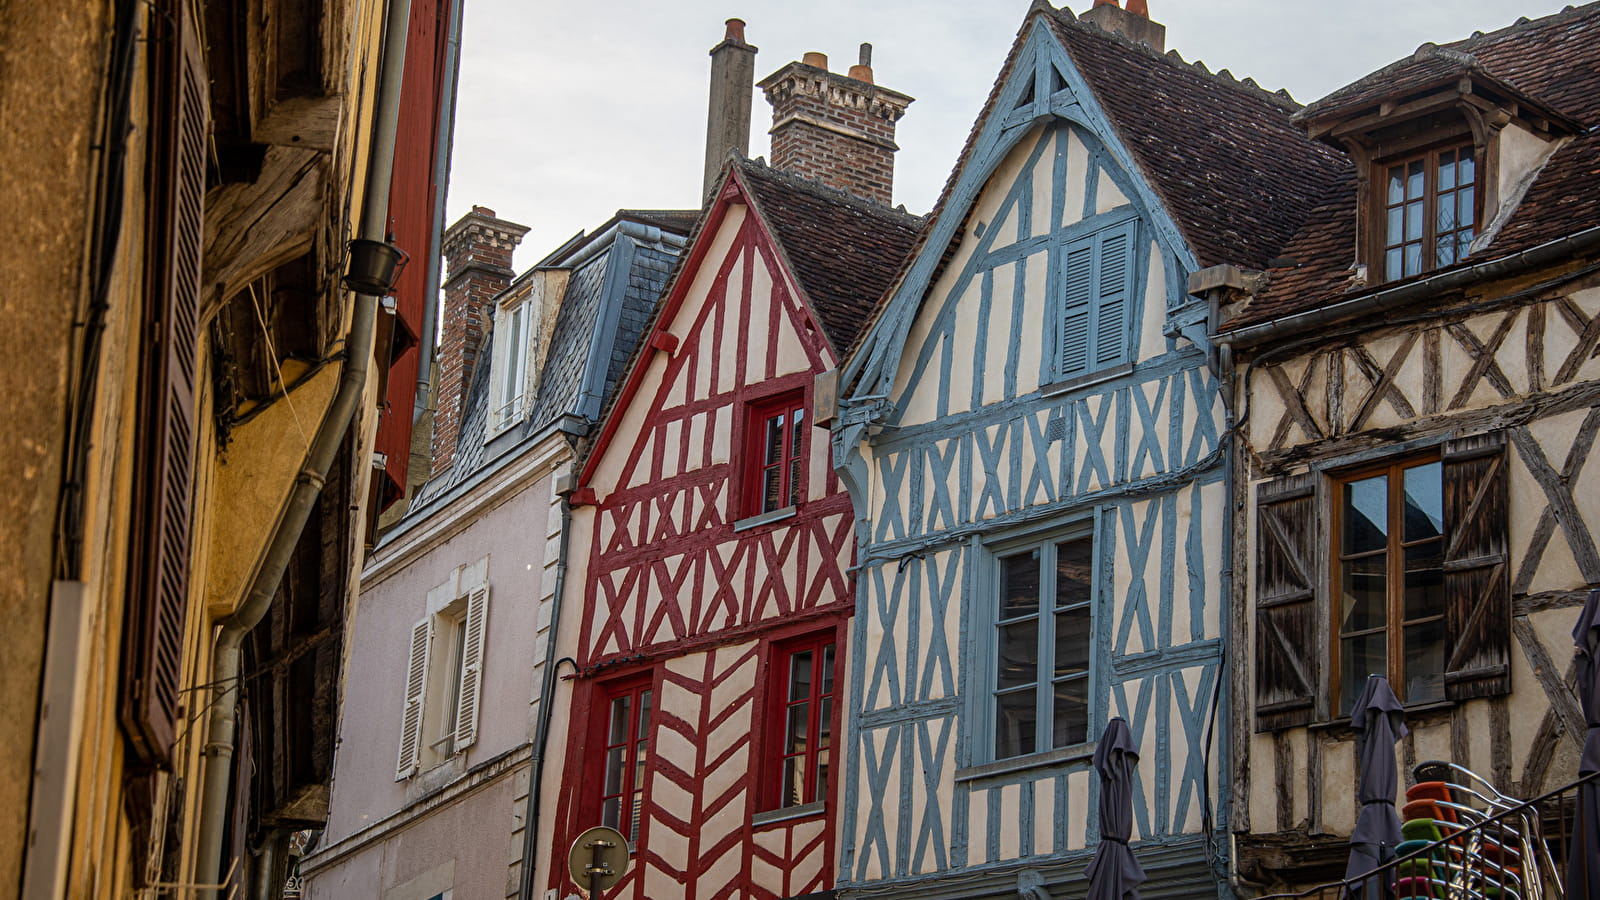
(815, 60)
(735, 31)
(1139, 8)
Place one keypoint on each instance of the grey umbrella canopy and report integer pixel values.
(1113, 873)
(1583, 865)
(1379, 721)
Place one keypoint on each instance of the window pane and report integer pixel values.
(1424, 513)
(1362, 656)
(636, 802)
(1074, 572)
(825, 723)
(772, 489)
(619, 719)
(616, 760)
(1396, 222)
(794, 482)
(794, 740)
(1425, 662)
(1015, 723)
(1447, 213)
(1464, 214)
(644, 714)
(1365, 586)
(822, 775)
(1019, 584)
(1071, 724)
(1447, 170)
(827, 669)
(1072, 641)
(611, 812)
(1394, 264)
(1414, 221)
(774, 441)
(1397, 184)
(1466, 168)
(794, 781)
(800, 675)
(1413, 259)
(1366, 516)
(1414, 179)
(1019, 654)
(798, 417)
(1425, 580)
(1444, 250)
(1463, 243)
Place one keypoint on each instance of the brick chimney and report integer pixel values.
(477, 254)
(733, 79)
(836, 129)
(1132, 23)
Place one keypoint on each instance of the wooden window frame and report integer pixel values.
(793, 465)
(1380, 206)
(1044, 677)
(779, 704)
(639, 751)
(1394, 574)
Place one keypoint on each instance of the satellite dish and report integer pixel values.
(598, 860)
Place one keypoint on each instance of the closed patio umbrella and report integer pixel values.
(1379, 721)
(1583, 861)
(1113, 873)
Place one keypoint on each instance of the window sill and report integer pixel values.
(1063, 755)
(766, 518)
(1083, 381)
(774, 816)
(1341, 729)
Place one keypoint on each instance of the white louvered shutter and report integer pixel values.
(416, 690)
(477, 618)
(1077, 293)
(1113, 287)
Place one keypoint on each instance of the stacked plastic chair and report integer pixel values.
(1458, 853)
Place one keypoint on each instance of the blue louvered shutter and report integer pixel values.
(1096, 297)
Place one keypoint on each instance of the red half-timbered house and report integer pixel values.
(712, 544)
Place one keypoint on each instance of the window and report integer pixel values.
(1389, 580)
(443, 684)
(777, 454)
(1429, 210)
(626, 739)
(1097, 277)
(509, 393)
(804, 717)
(1042, 631)
(1417, 585)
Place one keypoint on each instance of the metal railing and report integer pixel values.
(1503, 850)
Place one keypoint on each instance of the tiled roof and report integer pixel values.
(843, 250)
(1241, 178)
(1431, 65)
(1555, 60)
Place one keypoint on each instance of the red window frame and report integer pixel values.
(804, 702)
(775, 472)
(622, 759)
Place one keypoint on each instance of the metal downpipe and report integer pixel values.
(227, 654)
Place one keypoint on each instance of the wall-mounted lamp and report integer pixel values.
(374, 266)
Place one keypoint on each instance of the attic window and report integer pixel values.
(1430, 210)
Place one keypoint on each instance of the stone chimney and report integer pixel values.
(477, 254)
(1132, 23)
(836, 129)
(733, 79)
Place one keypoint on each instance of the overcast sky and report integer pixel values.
(569, 111)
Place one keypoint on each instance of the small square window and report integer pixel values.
(776, 454)
(802, 720)
(1429, 210)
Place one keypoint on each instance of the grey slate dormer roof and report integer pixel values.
(610, 296)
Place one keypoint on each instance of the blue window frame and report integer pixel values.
(1040, 641)
(1097, 281)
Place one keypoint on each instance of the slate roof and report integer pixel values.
(843, 250)
(1556, 61)
(562, 379)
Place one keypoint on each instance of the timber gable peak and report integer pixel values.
(1130, 98)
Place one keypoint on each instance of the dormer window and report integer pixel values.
(509, 392)
(1430, 210)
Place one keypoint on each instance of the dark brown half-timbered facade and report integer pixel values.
(1416, 390)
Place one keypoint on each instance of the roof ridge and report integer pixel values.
(827, 192)
(1569, 11)
(1222, 77)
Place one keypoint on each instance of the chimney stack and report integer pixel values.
(836, 129)
(733, 78)
(477, 252)
(1133, 23)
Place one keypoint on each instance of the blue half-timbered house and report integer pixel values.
(1033, 433)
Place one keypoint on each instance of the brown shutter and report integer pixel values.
(1477, 578)
(1287, 646)
(159, 576)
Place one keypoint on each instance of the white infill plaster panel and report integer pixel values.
(1131, 522)
(1077, 810)
(1557, 568)
(713, 880)
(1108, 196)
(811, 865)
(998, 353)
(1044, 817)
(920, 397)
(1339, 768)
(1006, 229)
(1030, 350)
(1011, 813)
(1433, 741)
(660, 883)
(818, 462)
(697, 442)
(755, 324)
(1178, 752)
(1215, 497)
(1262, 793)
(1077, 179)
(722, 436)
(1182, 598)
(978, 827)
(1152, 342)
(672, 448)
(678, 389)
(1044, 185)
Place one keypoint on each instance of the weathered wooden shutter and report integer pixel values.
(1077, 299)
(416, 692)
(159, 574)
(1114, 285)
(1287, 644)
(477, 617)
(1477, 578)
